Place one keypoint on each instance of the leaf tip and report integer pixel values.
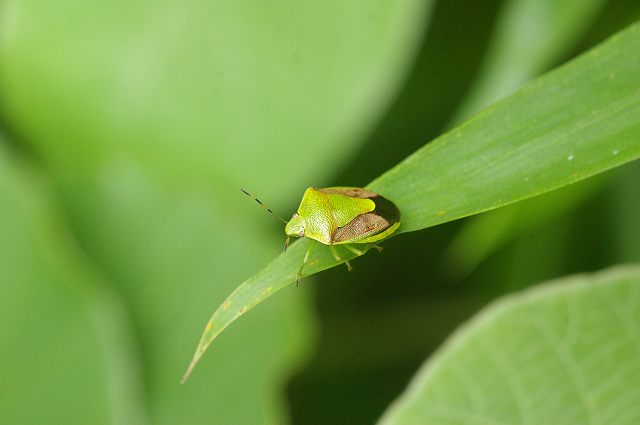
(192, 365)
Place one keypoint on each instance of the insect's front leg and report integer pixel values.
(338, 258)
(304, 262)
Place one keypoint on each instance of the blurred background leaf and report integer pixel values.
(519, 51)
(148, 118)
(145, 119)
(65, 333)
(562, 353)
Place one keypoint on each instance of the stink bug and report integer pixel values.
(341, 216)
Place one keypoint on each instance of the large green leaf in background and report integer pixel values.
(563, 353)
(53, 299)
(149, 117)
(572, 123)
(206, 89)
(519, 51)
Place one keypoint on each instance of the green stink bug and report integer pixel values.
(341, 216)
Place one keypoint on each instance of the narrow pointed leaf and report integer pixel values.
(574, 122)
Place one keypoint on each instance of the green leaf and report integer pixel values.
(52, 298)
(149, 81)
(519, 51)
(572, 123)
(562, 353)
(150, 116)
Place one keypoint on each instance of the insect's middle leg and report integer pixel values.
(338, 258)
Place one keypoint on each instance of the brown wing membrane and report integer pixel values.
(361, 227)
(354, 192)
(384, 216)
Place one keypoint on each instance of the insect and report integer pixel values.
(345, 216)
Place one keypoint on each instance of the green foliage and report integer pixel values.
(570, 124)
(145, 119)
(128, 128)
(520, 51)
(562, 353)
(52, 299)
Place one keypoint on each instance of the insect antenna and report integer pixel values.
(263, 205)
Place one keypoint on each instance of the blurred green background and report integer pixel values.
(127, 129)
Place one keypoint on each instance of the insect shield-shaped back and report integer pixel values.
(342, 216)
(367, 227)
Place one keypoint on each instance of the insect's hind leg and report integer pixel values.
(338, 258)
(304, 262)
(355, 250)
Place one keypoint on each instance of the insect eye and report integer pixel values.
(294, 215)
(301, 234)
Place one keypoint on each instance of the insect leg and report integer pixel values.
(304, 262)
(286, 243)
(338, 258)
(354, 250)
